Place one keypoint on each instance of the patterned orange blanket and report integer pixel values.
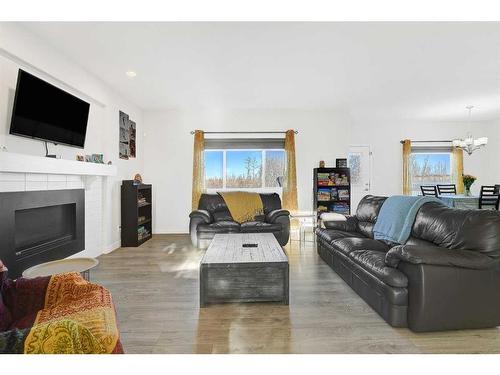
(77, 317)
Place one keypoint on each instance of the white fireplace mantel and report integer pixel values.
(21, 163)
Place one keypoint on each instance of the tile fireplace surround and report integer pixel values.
(19, 172)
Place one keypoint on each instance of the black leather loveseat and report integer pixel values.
(213, 216)
(447, 275)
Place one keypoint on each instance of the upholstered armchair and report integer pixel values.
(213, 216)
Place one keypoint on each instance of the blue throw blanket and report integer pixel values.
(396, 217)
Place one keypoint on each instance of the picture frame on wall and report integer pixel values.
(132, 143)
(124, 148)
(341, 163)
(128, 136)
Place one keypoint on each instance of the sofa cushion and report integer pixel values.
(217, 207)
(347, 245)
(259, 227)
(374, 263)
(219, 227)
(475, 230)
(438, 256)
(214, 204)
(330, 235)
(367, 213)
(271, 202)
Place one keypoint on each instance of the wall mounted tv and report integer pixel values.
(43, 111)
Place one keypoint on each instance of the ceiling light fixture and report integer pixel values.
(470, 144)
(131, 74)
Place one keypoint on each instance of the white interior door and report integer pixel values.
(359, 161)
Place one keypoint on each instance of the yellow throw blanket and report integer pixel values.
(74, 309)
(62, 337)
(242, 205)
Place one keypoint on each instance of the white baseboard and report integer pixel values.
(110, 248)
(166, 231)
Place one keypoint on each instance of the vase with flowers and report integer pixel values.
(468, 181)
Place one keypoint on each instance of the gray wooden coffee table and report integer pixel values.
(230, 272)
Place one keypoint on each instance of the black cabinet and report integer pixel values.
(136, 213)
(332, 190)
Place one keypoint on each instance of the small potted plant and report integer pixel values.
(468, 181)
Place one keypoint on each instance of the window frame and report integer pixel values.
(262, 188)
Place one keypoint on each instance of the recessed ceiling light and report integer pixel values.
(131, 74)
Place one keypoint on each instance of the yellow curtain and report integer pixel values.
(290, 183)
(198, 167)
(406, 167)
(458, 169)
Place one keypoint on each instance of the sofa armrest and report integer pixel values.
(439, 256)
(273, 216)
(348, 225)
(202, 214)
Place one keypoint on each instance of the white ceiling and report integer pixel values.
(415, 70)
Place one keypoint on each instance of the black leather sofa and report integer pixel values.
(447, 275)
(213, 216)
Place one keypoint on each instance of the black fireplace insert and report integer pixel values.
(40, 226)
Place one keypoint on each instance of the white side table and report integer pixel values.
(81, 265)
(307, 219)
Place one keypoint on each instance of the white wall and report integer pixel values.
(383, 135)
(168, 144)
(323, 135)
(22, 49)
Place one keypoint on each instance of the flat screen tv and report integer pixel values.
(43, 111)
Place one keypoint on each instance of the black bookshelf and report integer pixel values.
(136, 214)
(332, 190)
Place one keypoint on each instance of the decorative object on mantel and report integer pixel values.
(94, 158)
(127, 142)
(468, 181)
(341, 163)
(322, 164)
(470, 144)
(137, 179)
(98, 158)
(110, 162)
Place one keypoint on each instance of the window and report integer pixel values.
(430, 167)
(214, 169)
(247, 169)
(244, 169)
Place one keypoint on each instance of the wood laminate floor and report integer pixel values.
(155, 290)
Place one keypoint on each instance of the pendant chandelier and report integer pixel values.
(470, 144)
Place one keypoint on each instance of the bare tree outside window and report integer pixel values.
(243, 168)
(275, 167)
(430, 169)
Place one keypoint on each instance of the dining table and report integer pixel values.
(460, 201)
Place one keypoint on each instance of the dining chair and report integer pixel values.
(447, 189)
(489, 197)
(429, 190)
